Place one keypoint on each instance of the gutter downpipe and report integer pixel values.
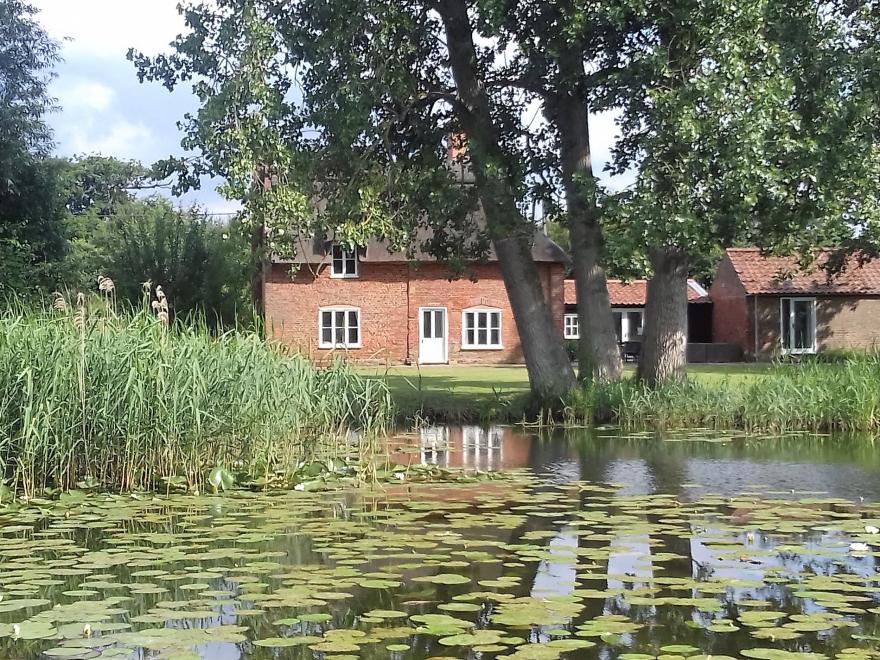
(408, 360)
(755, 314)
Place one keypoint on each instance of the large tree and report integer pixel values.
(355, 103)
(32, 230)
(548, 48)
(747, 122)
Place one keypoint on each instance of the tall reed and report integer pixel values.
(809, 396)
(123, 400)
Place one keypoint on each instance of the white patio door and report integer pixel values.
(433, 335)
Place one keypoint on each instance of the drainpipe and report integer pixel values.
(408, 359)
(755, 314)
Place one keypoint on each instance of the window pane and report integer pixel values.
(482, 337)
(327, 335)
(785, 320)
(482, 320)
(469, 320)
(618, 325)
(635, 324)
(326, 319)
(340, 335)
(803, 317)
(469, 337)
(496, 337)
(426, 325)
(350, 263)
(495, 318)
(353, 335)
(439, 330)
(340, 319)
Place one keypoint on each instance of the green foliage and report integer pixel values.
(97, 185)
(32, 234)
(32, 230)
(322, 107)
(124, 401)
(221, 479)
(810, 396)
(748, 122)
(202, 266)
(27, 56)
(73, 221)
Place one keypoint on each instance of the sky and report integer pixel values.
(105, 110)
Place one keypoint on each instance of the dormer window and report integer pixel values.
(345, 262)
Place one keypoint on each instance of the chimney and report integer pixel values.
(459, 160)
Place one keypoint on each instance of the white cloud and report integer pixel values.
(604, 134)
(120, 138)
(111, 27)
(82, 94)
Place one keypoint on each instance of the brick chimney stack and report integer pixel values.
(459, 160)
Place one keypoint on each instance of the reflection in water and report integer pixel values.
(633, 474)
(688, 464)
(471, 447)
(696, 548)
(556, 575)
(434, 445)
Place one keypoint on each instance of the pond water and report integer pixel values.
(593, 545)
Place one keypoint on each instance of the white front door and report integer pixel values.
(432, 335)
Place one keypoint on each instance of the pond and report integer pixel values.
(595, 545)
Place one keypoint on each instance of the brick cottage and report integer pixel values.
(769, 307)
(376, 306)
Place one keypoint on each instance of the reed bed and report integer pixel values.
(813, 396)
(121, 401)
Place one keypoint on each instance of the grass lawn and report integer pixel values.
(462, 391)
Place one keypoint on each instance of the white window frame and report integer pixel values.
(782, 321)
(571, 327)
(488, 311)
(334, 310)
(626, 333)
(347, 257)
(434, 445)
(482, 448)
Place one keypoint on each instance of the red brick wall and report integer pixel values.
(390, 324)
(731, 317)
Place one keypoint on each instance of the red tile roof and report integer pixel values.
(762, 274)
(634, 293)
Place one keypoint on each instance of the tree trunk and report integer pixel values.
(664, 349)
(598, 351)
(550, 373)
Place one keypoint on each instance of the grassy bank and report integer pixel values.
(121, 401)
(500, 393)
(810, 396)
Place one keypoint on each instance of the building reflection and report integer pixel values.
(469, 447)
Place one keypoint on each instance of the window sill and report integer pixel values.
(343, 277)
(340, 347)
(482, 348)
